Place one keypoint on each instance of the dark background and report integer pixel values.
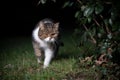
(20, 17)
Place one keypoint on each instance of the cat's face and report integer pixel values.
(48, 32)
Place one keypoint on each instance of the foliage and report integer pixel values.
(44, 1)
(100, 22)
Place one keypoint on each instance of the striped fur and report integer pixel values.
(45, 40)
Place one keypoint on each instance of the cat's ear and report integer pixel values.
(56, 25)
(41, 25)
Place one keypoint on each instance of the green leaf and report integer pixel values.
(83, 20)
(110, 21)
(106, 21)
(109, 36)
(66, 4)
(98, 9)
(43, 1)
(83, 7)
(71, 4)
(89, 19)
(54, 0)
(77, 14)
(88, 11)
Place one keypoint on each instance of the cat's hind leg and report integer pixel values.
(37, 51)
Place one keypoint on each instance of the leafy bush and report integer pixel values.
(99, 22)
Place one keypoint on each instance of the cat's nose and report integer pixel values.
(50, 38)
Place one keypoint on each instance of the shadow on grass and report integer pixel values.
(67, 56)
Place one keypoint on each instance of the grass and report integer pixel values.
(18, 62)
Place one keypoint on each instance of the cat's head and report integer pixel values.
(48, 31)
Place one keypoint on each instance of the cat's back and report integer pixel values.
(47, 20)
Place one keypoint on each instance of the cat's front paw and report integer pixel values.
(45, 66)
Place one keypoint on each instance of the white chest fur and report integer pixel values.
(42, 43)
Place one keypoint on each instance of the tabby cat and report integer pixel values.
(46, 40)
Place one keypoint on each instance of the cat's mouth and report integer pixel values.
(49, 39)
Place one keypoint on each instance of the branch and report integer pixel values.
(106, 27)
(93, 39)
(96, 22)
